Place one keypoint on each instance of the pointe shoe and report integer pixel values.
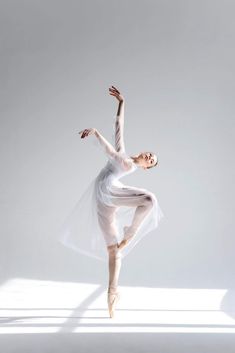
(122, 244)
(127, 237)
(113, 298)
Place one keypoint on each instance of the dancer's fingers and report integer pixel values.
(116, 89)
(80, 132)
(114, 92)
(83, 133)
(113, 89)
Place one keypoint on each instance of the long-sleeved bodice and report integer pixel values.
(117, 168)
(107, 204)
(107, 183)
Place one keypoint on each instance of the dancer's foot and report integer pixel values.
(113, 298)
(126, 239)
(124, 243)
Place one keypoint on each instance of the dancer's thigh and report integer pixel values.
(107, 221)
(131, 197)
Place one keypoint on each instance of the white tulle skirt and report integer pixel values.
(82, 232)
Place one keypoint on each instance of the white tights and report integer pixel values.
(115, 262)
(143, 204)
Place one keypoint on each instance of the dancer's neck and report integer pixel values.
(134, 159)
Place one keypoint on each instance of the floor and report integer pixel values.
(44, 316)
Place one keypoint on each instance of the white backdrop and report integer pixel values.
(174, 62)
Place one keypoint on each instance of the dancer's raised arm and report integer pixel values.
(108, 148)
(119, 122)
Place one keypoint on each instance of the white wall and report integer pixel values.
(174, 62)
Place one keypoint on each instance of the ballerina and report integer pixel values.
(109, 196)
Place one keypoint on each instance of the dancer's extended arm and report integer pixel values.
(119, 121)
(119, 128)
(108, 148)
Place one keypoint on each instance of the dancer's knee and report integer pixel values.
(114, 251)
(149, 201)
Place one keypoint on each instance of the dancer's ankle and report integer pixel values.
(112, 290)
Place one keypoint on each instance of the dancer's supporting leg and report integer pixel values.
(115, 261)
(107, 222)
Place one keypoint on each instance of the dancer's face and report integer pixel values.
(147, 159)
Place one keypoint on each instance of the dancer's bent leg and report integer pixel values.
(144, 205)
(139, 216)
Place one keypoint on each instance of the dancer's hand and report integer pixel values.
(114, 92)
(86, 132)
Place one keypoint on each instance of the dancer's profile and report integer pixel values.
(110, 217)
